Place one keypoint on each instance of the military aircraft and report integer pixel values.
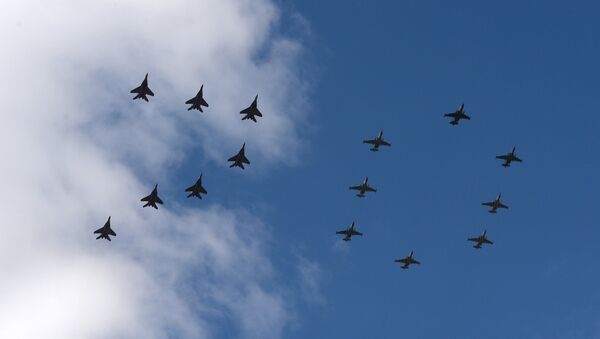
(196, 189)
(496, 204)
(362, 188)
(142, 90)
(240, 159)
(105, 231)
(457, 115)
(349, 232)
(153, 198)
(508, 158)
(480, 240)
(251, 112)
(407, 261)
(197, 102)
(378, 141)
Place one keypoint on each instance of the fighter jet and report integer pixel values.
(407, 261)
(480, 240)
(349, 232)
(496, 204)
(239, 159)
(457, 115)
(196, 189)
(153, 198)
(142, 90)
(378, 141)
(105, 231)
(251, 112)
(508, 158)
(362, 188)
(197, 102)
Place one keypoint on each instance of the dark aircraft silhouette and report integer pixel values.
(240, 159)
(105, 231)
(480, 240)
(378, 141)
(349, 232)
(457, 115)
(362, 188)
(153, 198)
(508, 158)
(196, 189)
(496, 204)
(251, 112)
(197, 102)
(142, 90)
(407, 261)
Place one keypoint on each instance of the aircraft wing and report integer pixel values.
(147, 198)
(517, 159)
(503, 157)
(203, 102)
(158, 200)
(372, 141)
(491, 204)
(473, 239)
(344, 232)
(98, 231)
(452, 115)
(488, 241)
(501, 205)
(369, 189)
(356, 233)
(404, 261)
(111, 232)
(233, 158)
(191, 101)
(358, 188)
(190, 189)
(466, 117)
(246, 111)
(385, 143)
(136, 90)
(257, 113)
(201, 189)
(149, 92)
(413, 261)
(245, 160)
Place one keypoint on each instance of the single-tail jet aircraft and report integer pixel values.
(407, 261)
(362, 188)
(457, 115)
(142, 90)
(240, 159)
(378, 141)
(349, 232)
(197, 102)
(508, 158)
(153, 198)
(494, 205)
(480, 240)
(105, 231)
(252, 112)
(196, 189)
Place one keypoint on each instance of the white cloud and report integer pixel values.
(75, 148)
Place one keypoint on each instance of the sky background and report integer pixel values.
(258, 257)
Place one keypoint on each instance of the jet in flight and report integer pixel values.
(196, 189)
(496, 204)
(153, 198)
(362, 188)
(197, 102)
(252, 112)
(378, 141)
(480, 240)
(457, 115)
(349, 232)
(142, 90)
(240, 159)
(407, 261)
(105, 231)
(508, 158)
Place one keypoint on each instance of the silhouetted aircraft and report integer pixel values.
(349, 232)
(508, 158)
(457, 115)
(197, 102)
(105, 231)
(378, 141)
(480, 240)
(142, 90)
(407, 261)
(252, 112)
(364, 187)
(496, 204)
(153, 198)
(240, 159)
(196, 189)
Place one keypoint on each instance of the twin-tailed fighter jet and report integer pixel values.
(105, 231)
(349, 232)
(362, 188)
(153, 198)
(197, 102)
(457, 115)
(407, 261)
(480, 240)
(252, 112)
(378, 141)
(142, 90)
(508, 158)
(240, 159)
(495, 205)
(196, 189)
